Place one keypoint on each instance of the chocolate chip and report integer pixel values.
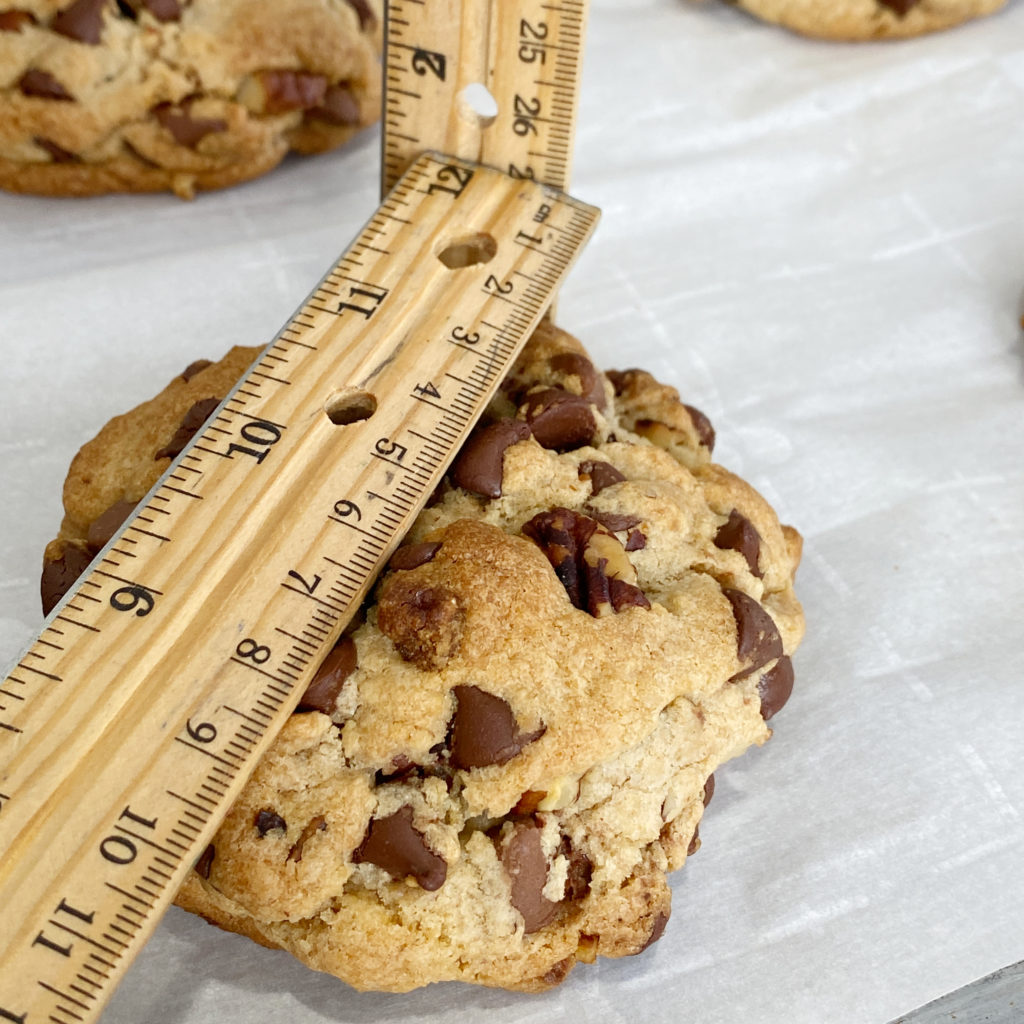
(267, 821)
(60, 575)
(901, 7)
(205, 862)
(478, 466)
(636, 541)
(589, 561)
(602, 474)
(106, 525)
(318, 824)
(527, 868)
(339, 107)
(709, 789)
(621, 380)
(484, 730)
(82, 21)
(323, 689)
(559, 971)
(163, 10)
(42, 84)
(13, 21)
(579, 871)
(195, 367)
(657, 930)
(424, 623)
(410, 556)
(702, 425)
(187, 130)
(616, 521)
(572, 364)
(392, 843)
(775, 687)
(694, 842)
(739, 534)
(291, 90)
(196, 416)
(757, 637)
(57, 153)
(366, 16)
(559, 419)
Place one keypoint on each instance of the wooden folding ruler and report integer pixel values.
(135, 717)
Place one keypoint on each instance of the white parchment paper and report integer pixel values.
(822, 246)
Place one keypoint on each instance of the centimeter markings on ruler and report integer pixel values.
(132, 722)
(527, 54)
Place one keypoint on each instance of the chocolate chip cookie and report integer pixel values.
(492, 773)
(146, 95)
(868, 19)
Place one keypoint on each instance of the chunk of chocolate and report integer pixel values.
(318, 824)
(709, 789)
(523, 859)
(81, 21)
(392, 843)
(559, 971)
(588, 559)
(186, 129)
(195, 367)
(635, 541)
(411, 556)
(42, 84)
(602, 474)
(108, 523)
(579, 871)
(739, 534)
(559, 419)
(657, 930)
(621, 380)
(196, 416)
(267, 820)
(16, 20)
(757, 637)
(484, 729)
(775, 687)
(591, 384)
(478, 467)
(323, 689)
(617, 522)
(424, 623)
(367, 19)
(291, 90)
(900, 7)
(58, 154)
(694, 842)
(60, 575)
(705, 431)
(340, 107)
(163, 10)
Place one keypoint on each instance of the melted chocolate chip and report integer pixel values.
(163, 10)
(602, 474)
(366, 16)
(484, 730)
(323, 689)
(702, 425)
(291, 90)
(43, 85)
(424, 623)
(392, 843)
(694, 842)
(900, 7)
(478, 466)
(616, 521)
(58, 154)
(61, 574)
(572, 364)
(195, 367)
(318, 824)
(106, 525)
(709, 789)
(410, 556)
(621, 379)
(635, 541)
(339, 107)
(578, 873)
(196, 416)
(205, 862)
(527, 868)
(757, 637)
(267, 821)
(187, 130)
(739, 534)
(559, 419)
(14, 21)
(82, 21)
(775, 687)
(657, 930)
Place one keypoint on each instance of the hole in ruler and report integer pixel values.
(350, 405)
(468, 251)
(477, 106)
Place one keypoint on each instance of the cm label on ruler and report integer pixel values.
(157, 684)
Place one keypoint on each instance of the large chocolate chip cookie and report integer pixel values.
(146, 95)
(491, 775)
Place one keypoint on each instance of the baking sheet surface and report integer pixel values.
(822, 247)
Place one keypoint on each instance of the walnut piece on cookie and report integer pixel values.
(868, 19)
(148, 95)
(490, 776)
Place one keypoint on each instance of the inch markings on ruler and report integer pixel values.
(136, 716)
(527, 55)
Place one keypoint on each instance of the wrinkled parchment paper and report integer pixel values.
(822, 246)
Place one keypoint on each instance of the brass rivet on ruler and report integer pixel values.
(350, 405)
(468, 251)
(477, 106)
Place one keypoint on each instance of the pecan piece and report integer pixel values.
(424, 623)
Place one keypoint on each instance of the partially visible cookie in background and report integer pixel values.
(104, 96)
(868, 19)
